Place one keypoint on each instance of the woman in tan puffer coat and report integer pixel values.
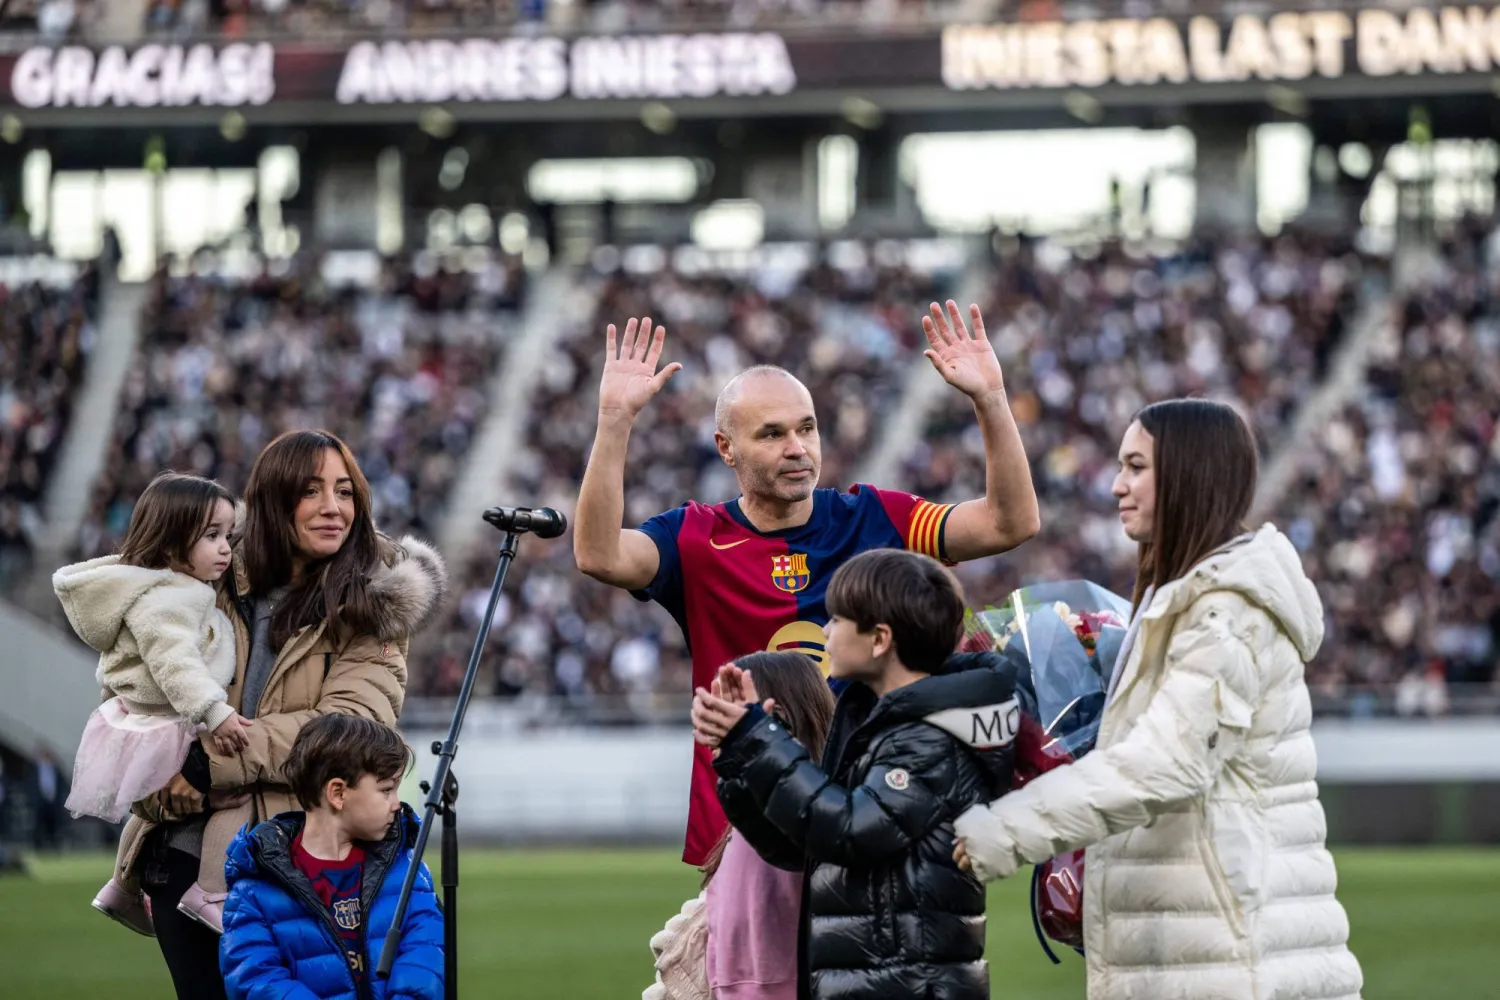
(322, 608)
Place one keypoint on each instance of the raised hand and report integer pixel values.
(967, 363)
(630, 376)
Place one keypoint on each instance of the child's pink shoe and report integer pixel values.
(131, 909)
(205, 907)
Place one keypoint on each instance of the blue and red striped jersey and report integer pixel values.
(735, 590)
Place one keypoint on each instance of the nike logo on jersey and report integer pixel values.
(731, 545)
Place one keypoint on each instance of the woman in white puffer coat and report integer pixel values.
(1206, 875)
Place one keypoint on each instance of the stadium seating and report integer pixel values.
(851, 333)
(46, 335)
(1394, 505)
(1396, 508)
(1089, 341)
(399, 372)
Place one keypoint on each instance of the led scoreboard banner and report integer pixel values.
(1377, 48)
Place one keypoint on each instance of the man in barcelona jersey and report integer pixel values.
(749, 574)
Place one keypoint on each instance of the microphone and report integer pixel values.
(543, 522)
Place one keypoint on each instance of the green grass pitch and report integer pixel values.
(573, 925)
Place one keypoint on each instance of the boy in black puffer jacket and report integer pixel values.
(919, 736)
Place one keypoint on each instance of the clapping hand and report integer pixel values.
(718, 709)
(735, 684)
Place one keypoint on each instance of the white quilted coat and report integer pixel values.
(1206, 876)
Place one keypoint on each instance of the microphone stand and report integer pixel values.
(442, 791)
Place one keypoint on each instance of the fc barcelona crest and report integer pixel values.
(789, 572)
(346, 914)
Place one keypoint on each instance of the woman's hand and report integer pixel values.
(983, 846)
(182, 798)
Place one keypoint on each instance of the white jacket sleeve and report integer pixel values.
(170, 634)
(1197, 719)
(666, 940)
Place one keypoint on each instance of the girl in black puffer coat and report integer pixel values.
(888, 915)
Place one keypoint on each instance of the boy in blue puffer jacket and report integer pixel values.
(312, 895)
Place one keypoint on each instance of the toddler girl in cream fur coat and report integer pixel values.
(166, 655)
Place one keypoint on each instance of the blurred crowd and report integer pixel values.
(851, 333)
(1087, 341)
(46, 335)
(399, 371)
(55, 20)
(59, 20)
(52, 20)
(1394, 502)
(1397, 507)
(239, 17)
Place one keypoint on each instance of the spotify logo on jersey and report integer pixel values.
(801, 637)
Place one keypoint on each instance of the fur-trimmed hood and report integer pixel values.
(406, 587)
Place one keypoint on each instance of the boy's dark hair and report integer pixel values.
(342, 746)
(168, 520)
(911, 593)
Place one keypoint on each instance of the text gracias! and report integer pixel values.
(1287, 46)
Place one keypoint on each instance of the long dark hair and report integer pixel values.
(1206, 466)
(331, 589)
(803, 702)
(168, 520)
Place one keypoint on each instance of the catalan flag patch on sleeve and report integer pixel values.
(925, 534)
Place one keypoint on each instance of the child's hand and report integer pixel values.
(230, 737)
(714, 717)
(734, 684)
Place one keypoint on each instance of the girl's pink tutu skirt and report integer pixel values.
(125, 757)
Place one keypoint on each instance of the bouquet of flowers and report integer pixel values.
(1070, 635)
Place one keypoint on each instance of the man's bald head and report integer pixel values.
(736, 388)
(768, 434)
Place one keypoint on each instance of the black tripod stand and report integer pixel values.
(442, 791)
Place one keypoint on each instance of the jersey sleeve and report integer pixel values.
(666, 587)
(919, 522)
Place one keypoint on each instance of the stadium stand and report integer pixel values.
(850, 332)
(1395, 510)
(1088, 341)
(228, 364)
(46, 334)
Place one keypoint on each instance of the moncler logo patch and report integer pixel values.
(898, 779)
(983, 727)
